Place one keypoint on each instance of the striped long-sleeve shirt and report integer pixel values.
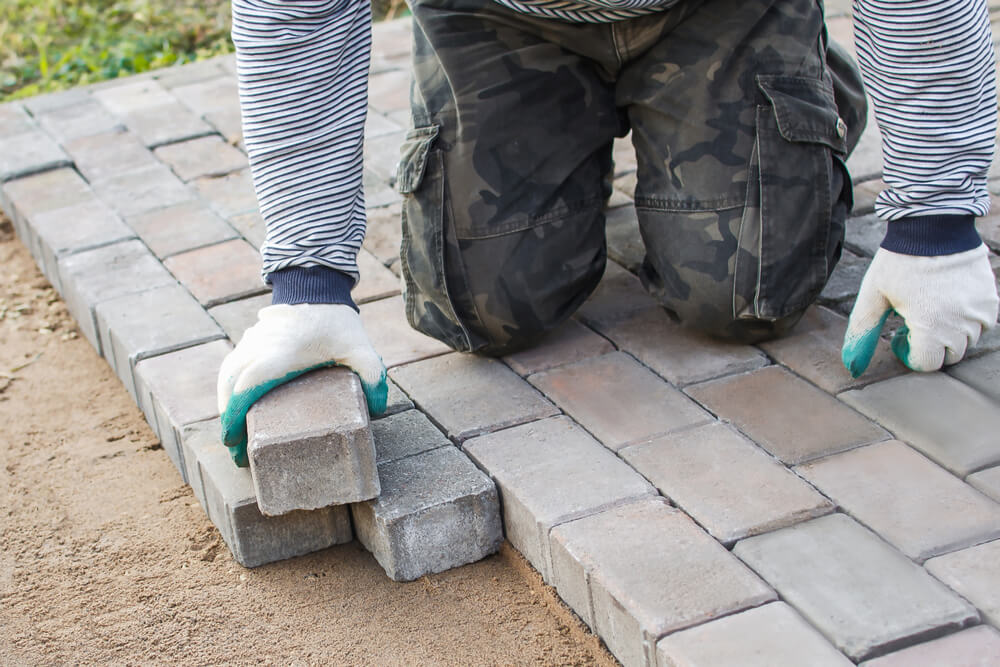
(303, 73)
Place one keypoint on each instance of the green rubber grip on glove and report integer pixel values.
(857, 352)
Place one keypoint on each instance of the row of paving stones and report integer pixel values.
(658, 480)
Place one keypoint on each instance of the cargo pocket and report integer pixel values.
(420, 179)
(790, 233)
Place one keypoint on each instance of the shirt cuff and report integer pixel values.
(932, 235)
(311, 284)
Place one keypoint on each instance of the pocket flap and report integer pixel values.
(805, 110)
(413, 159)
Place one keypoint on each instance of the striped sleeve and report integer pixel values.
(303, 79)
(929, 69)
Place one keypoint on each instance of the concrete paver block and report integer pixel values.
(864, 234)
(14, 120)
(236, 317)
(137, 326)
(209, 95)
(133, 95)
(846, 277)
(813, 350)
(650, 571)
(618, 296)
(219, 273)
(550, 472)
(178, 389)
(987, 481)
(114, 153)
(165, 124)
(86, 118)
(310, 444)
(975, 647)
(393, 337)
(725, 482)
(205, 156)
(679, 354)
(142, 190)
(91, 277)
(981, 373)
(405, 434)
(865, 192)
(913, 406)
(389, 91)
(25, 198)
(29, 153)
(469, 395)
(975, 574)
(383, 235)
(176, 229)
(915, 505)
(228, 195)
(866, 597)
(228, 498)
(762, 637)
(618, 400)
(181, 75)
(397, 401)
(569, 342)
(436, 511)
(377, 282)
(251, 226)
(785, 415)
(625, 245)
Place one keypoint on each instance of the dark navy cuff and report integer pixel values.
(311, 284)
(931, 235)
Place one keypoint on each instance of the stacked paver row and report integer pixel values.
(694, 502)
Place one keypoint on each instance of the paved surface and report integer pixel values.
(693, 502)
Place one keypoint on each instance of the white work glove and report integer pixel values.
(287, 341)
(946, 302)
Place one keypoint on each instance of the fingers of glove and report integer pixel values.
(861, 338)
(918, 349)
(368, 366)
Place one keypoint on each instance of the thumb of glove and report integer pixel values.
(868, 316)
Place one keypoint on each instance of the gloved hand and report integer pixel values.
(287, 341)
(946, 302)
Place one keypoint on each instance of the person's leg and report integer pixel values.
(741, 193)
(503, 229)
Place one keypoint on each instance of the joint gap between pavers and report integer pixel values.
(918, 638)
(185, 137)
(94, 246)
(199, 247)
(34, 171)
(177, 347)
(257, 291)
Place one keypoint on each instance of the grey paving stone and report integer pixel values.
(863, 595)
(846, 278)
(393, 338)
(785, 415)
(377, 282)
(142, 190)
(236, 317)
(680, 355)
(40, 104)
(469, 395)
(25, 198)
(915, 505)
(975, 647)
(913, 407)
(550, 472)
(384, 233)
(157, 321)
(377, 124)
(382, 152)
(728, 485)
(219, 273)
(397, 401)
(310, 444)
(113, 153)
(228, 195)
(865, 163)
(133, 95)
(763, 637)
(988, 226)
(177, 389)
(649, 571)
(14, 120)
(209, 95)
(813, 351)
(175, 229)
(91, 277)
(228, 498)
(379, 191)
(166, 124)
(625, 245)
(251, 226)
(864, 234)
(86, 118)
(975, 574)
(865, 194)
(981, 373)
(229, 124)
(618, 400)
(618, 296)
(205, 156)
(623, 154)
(618, 199)
(987, 481)
(180, 75)
(436, 511)
(405, 434)
(29, 153)
(569, 342)
(389, 91)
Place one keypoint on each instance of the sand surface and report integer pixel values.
(107, 557)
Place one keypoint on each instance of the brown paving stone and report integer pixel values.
(727, 484)
(625, 245)
(975, 647)
(618, 400)
(649, 570)
(219, 273)
(180, 228)
(680, 355)
(569, 342)
(206, 156)
(251, 226)
(384, 233)
(236, 317)
(229, 124)
(147, 189)
(114, 153)
(948, 421)
(469, 395)
(389, 91)
(785, 415)
(975, 574)
(987, 481)
(377, 282)
(912, 503)
(813, 350)
(393, 337)
(981, 373)
(229, 195)
(618, 296)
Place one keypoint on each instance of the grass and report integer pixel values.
(49, 45)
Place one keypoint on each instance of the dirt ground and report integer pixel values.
(107, 558)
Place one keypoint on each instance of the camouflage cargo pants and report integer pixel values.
(740, 116)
